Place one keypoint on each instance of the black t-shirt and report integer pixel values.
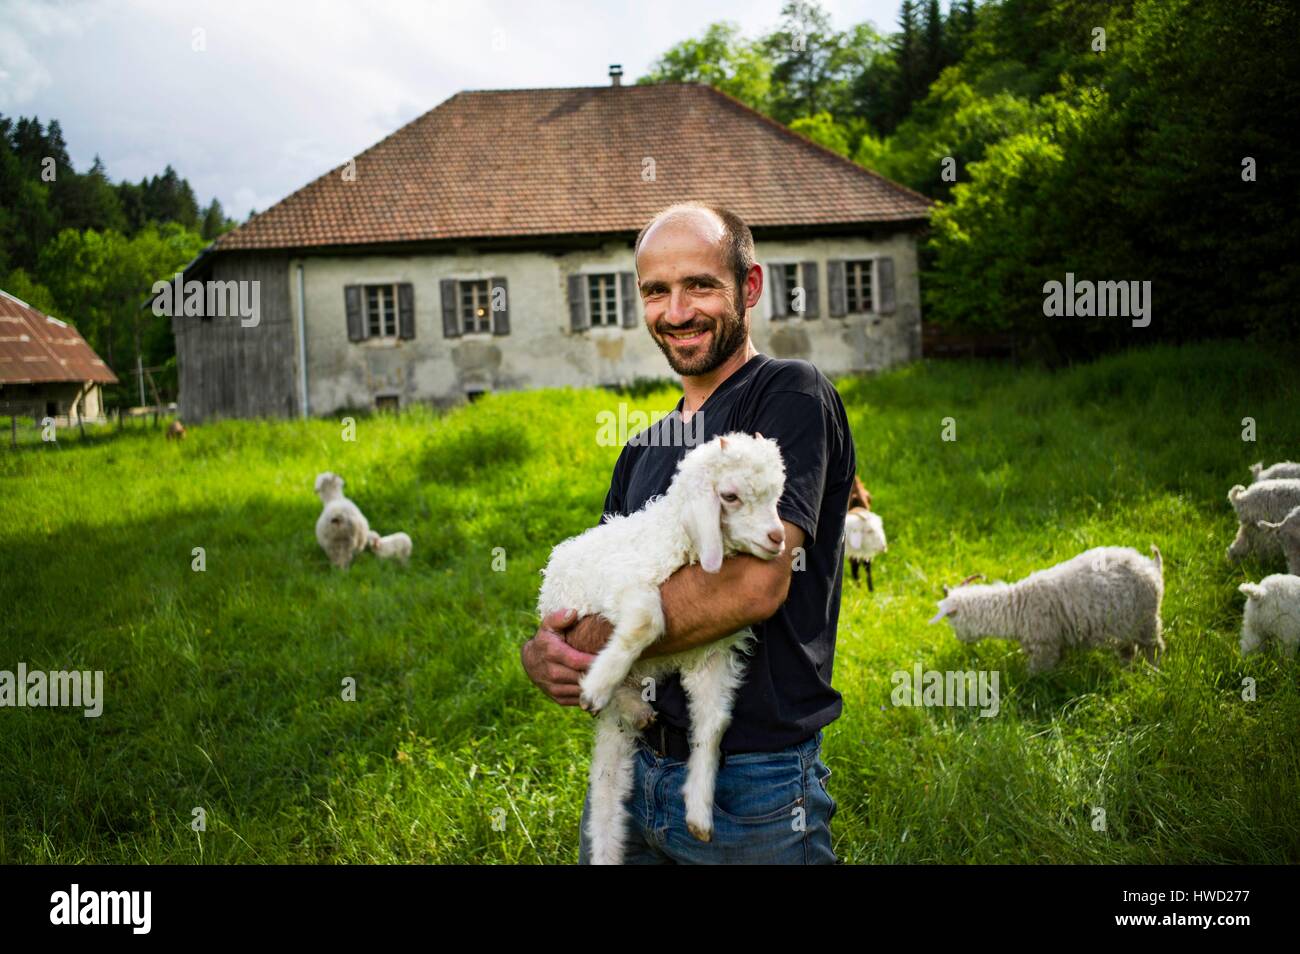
(786, 696)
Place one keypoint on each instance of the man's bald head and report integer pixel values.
(736, 242)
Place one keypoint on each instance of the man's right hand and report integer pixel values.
(552, 664)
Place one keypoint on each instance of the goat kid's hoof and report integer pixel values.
(699, 833)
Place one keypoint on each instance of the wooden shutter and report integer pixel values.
(835, 288)
(356, 318)
(578, 317)
(780, 294)
(808, 276)
(885, 295)
(450, 320)
(500, 316)
(406, 310)
(627, 291)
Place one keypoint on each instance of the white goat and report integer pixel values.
(864, 539)
(1104, 596)
(1288, 534)
(723, 499)
(1269, 500)
(1272, 609)
(1286, 470)
(394, 546)
(341, 529)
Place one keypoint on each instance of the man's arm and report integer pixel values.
(700, 607)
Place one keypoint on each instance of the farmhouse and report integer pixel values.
(487, 245)
(46, 367)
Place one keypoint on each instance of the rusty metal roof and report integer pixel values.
(35, 348)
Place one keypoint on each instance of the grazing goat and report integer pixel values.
(1104, 596)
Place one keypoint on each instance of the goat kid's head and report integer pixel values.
(732, 485)
(329, 486)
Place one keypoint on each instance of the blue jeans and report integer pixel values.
(769, 808)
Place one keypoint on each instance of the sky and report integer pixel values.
(251, 100)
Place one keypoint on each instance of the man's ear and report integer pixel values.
(703, 519)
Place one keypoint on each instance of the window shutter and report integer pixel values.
(406, 310)
(578, 318)
(808, 275)
(356, 320)
(780, 294)
(500, 316)
(835, 288)
(627, 291)
(450, 321)
(885, 297)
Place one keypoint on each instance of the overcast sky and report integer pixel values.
(284, 91)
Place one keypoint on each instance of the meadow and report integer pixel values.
(223, 687)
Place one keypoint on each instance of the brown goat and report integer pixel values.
(859, 496)
(176, 431)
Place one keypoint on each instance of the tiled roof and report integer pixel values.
(35, 348)
(508, 163)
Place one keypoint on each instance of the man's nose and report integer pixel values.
(679, 308)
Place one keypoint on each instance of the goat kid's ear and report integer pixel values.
(704, 527)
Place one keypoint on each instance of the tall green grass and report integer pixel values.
(223, 687)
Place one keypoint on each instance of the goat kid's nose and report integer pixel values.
(776, 536)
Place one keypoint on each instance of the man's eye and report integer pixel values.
(730, 498)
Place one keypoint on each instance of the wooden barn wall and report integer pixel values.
(227, 370)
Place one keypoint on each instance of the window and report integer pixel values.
(475, 307)
(381, 311)
(857, 286)
(602, 299)
(789, 282)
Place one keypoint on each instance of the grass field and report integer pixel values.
(223, 687)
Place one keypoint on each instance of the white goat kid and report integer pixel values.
(341, 528)
(723, 499)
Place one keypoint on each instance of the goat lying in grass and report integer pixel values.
(722, 500)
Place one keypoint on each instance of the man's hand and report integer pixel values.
(551, 663)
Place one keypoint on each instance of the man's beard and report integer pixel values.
(726, 338)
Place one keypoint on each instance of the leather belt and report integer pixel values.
(668, 741)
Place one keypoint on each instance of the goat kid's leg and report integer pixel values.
(629, 708)
(710, 691)
(640, 623)
(870, 586)
(611, 779)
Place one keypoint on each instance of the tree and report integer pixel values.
(720, 58)
(804, 53)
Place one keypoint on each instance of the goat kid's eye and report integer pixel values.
(730, 498)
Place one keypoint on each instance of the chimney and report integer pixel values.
(615, 74)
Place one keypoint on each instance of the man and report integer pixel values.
(698, 281)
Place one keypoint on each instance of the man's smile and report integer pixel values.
(688, 337)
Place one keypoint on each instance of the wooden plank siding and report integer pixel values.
(227, 370)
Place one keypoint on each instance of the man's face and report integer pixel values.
(690, 294)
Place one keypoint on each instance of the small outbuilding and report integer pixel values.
(46, 367)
